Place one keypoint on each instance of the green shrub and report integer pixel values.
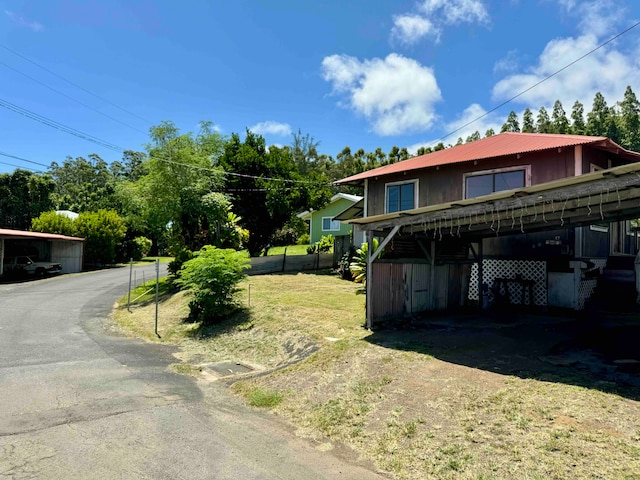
(304, 239)
(211, 277)
(140, 247)
(284, 236)
(102, 232)
(180, 255)
(52, 222)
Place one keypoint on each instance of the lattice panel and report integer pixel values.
(526, 269)
(587, 287)
(599, 263)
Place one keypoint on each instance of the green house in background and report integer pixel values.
(321, 221)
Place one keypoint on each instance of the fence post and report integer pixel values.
(284, 259)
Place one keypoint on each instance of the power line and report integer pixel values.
(21, 167)
(59, 126)
(23, 159)
(539, 82)
(149, 122)
(73, 99)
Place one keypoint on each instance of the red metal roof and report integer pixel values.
(5, 232)
(507, 143)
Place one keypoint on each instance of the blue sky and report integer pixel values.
(362, 73)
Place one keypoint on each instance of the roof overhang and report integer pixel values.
(599, 197)
(24, 235)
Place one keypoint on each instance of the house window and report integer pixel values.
(477, 184)
(330, 225)
(401, 196)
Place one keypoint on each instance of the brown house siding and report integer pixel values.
(444, 184)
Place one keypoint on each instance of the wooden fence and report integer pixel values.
(290, 263)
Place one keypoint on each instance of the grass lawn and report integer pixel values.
(437, 402)
(291, 250)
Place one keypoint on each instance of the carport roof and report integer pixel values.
(599, 197)
(24, 235)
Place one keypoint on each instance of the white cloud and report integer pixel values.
(21, 21)
(431, 15)
(607, 70)
(271, 128)
(411, 28)
(507, 64)
(395, 94)
(466, 124)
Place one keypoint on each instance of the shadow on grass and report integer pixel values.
(165, 291)
(240, 319)
(596, 353)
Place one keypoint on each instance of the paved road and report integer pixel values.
(77, 402)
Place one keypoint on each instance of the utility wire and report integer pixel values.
(21, 167)
(23, 159)
(539, 82)
(73, 99)
(149, 122)
(59, 126)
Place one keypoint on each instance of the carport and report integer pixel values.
(457, 230)
(67, 251)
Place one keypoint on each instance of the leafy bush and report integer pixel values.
(52, 222)
(141, 246)
(323, 246)
(180, 255)
(211, 277)
(304, 239)
(102, 232)
(358, 266)
(284, 236)
(343, 265)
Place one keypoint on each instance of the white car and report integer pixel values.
(31, 267)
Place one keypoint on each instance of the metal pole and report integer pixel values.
(157, 281)
(129, 294)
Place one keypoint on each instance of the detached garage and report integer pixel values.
(45, 247)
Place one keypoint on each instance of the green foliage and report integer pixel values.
(264, 205)
(23, 196)
(103, 231)
(83, 185)
(324, 245)
(52, 222)
(180, 173)
(263, 397)
(359, 265)
(211, 277)
(180, 255)
(141, 246)
(304, 239)
(284, 236)
(344, 264)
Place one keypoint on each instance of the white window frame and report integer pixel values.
(401, 182)
(526, 168)
(331, 224)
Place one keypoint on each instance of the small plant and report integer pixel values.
(263, 398)
(359, 265)
(304, 239)
(180, 256)
(324, 245)
(211, 278)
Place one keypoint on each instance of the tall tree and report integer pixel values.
(394, 155)
(512, 124)
(630, 120)
(528, 126)
(83, 184)
(578, 126)
(181, 171)
(559, 120)
(543, 122)
(473, 137)
(265, 189)
(23, 196)
(489, 133)
(304, 149)
(598, 117)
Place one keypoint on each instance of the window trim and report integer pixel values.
(493, 171)
(401, 182)
(331, 220)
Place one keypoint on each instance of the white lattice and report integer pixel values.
(587, 288)
(510, 269)
(599, 263)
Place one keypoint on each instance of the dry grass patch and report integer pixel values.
(402, 404)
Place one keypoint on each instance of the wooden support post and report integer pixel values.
(432, 276)
(369, 300)
(480, 276)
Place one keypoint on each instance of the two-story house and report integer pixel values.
(528, 215)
